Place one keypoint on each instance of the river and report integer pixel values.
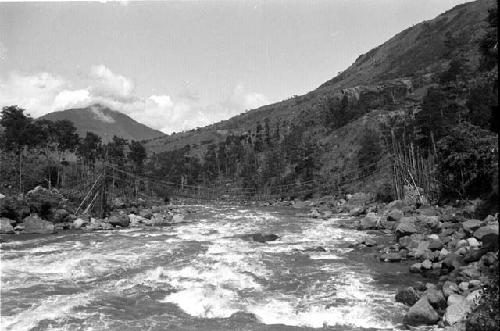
(201, 275)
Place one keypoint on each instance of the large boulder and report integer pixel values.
(370, 221)
(121, 220)
(5, 226)
(471, 225)
(34, 224)
(42, 200)
(80, 223)
(486, 230)
(458, 311)
(14, 208)
(436, 297)
(406, 227)
(407, 296)
(395, 215)
(421, 313)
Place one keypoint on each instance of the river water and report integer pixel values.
(201, 275)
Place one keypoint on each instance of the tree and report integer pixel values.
(467, 161)
(19, 133)
(137, 155)
(116, 150)
(90, 148)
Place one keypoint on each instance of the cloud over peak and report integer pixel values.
(41, 93)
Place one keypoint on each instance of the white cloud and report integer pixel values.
(72, 99)
(105, 83)
(41, 93)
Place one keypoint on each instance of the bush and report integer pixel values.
(467, 162)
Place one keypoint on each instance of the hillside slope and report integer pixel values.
(415, 54)
(104, 122)
(421, 86)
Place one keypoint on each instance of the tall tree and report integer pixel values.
(137, 155)
(18, 134)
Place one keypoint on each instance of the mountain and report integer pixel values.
(104, 122)
(428, 86)
(414, 56)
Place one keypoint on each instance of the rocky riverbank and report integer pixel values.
(456, 254)
(44, 211)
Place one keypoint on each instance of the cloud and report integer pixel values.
(105, 83)
(41, 93)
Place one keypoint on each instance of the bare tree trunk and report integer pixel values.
(20, 172)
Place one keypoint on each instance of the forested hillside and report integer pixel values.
(426, 98)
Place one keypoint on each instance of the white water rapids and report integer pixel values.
(200, 275)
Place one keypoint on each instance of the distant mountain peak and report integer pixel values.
(105, 122)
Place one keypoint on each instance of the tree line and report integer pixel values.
(25, 139)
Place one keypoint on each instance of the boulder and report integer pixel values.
(427, 265)
(427, 222)
(42, 200)
(5, 226)
(459, 310)
(262, 238)
(486, 230)
(471, 225)
(406, 227)
(421, 313)
(416, 267)
(473, 242)
(80, 223)
(34, 224)
(454, 298)
(407, 296)
(370, 221)
(369, 242)
(136, 220)
(357, 211)
(391, 257)
(452, 261)
(14, 208)
(395, 215)
(421, 249)
(490, 242)
(436, 297)
(146, 213)
(442, 254)
(407, 242)
(435, 245)
(60, 216)
(450, 288)
(121, 220)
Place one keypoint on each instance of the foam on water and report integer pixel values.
(206, 268)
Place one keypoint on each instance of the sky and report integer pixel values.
(177, 65)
